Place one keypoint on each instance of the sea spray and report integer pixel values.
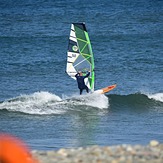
(36, 103)
(157, 96)
(48, 103)
(96, 100)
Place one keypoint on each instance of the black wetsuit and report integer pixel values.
(81, 83)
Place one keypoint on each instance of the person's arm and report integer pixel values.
(77, 75)
(87, 75)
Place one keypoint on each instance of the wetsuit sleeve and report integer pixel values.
(87, 75)
(76, 75)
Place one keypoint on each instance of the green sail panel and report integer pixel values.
(80, 56)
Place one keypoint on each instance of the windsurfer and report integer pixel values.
(80, 80)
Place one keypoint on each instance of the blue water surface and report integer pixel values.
(40, 103)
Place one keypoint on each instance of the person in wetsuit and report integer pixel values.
(80, 80)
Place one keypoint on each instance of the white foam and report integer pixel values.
(36, 103)
(94, 100)
(48, 103)
(157, 96)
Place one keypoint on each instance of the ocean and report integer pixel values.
(40, 103)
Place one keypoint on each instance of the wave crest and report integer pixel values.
(157, 96)
(48, 103)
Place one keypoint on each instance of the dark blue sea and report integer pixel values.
(40, 103)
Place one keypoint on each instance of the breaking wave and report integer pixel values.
(156, 97)
(48, 103)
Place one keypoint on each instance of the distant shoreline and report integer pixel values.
(125, 153)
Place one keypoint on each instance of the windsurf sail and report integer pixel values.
(79, 55)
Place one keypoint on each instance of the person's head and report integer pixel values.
(80, 73)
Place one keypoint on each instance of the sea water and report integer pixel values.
(40, 103)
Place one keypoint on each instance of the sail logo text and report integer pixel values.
(73, 55)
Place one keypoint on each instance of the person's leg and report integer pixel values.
(87, 89)
(81, 91)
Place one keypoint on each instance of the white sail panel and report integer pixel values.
(70, 69)
(73, 36)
